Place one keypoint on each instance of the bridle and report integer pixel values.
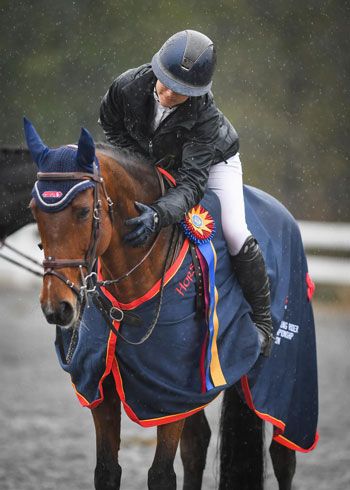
(51, 264)
(89, 280)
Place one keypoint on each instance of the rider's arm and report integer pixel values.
(112, 116)
(197, 157)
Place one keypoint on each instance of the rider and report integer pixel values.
(165, 110)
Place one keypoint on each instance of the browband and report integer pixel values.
(69, 176)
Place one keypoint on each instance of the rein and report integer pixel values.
(103, 307)
(51, 264)
(109, 282)
(89, 280)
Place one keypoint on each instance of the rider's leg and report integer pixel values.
(225, 179)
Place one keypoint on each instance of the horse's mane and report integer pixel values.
(134, 163)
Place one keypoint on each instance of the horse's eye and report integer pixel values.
(83, 213)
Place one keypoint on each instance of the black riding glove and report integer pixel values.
(145, 225)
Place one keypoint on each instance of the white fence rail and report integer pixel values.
(325, 236)
(317, 237)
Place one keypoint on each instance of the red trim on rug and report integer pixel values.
(109, 364)
(246, 391)
(278, 437)
(167, 419)
(154, 289)
(120, 390)
(290, 445)
(167, 175)
(171, 418)
(249, 399)
(115, 367)
(310, 286)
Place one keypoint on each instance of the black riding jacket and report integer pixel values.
(191, 139)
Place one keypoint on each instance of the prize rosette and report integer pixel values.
(198, 225)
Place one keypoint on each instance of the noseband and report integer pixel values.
(51, 264)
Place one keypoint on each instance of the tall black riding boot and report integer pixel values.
(250, 270)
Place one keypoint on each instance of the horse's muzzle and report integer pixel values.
(63, 314)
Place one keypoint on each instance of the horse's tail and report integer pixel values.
(241, 445)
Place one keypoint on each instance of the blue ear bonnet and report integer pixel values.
(54, 195)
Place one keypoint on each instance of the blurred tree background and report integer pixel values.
(282, 79)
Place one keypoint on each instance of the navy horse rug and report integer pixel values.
(189, 358)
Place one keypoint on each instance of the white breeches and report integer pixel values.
(225, 179)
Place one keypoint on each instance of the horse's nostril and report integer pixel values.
(66, 312)
(51, 316)
(63, 315)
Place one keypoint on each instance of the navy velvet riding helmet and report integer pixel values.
(54, 195)
(185, 63)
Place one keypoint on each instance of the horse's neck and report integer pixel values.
(120, 258)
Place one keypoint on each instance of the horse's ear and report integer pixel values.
(36, 147)
(86, 150)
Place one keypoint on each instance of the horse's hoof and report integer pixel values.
(108, 478)
(161, 480)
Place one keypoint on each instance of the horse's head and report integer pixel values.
(73, 220)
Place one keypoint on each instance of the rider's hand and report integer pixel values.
(145, 225)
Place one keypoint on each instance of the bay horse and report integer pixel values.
(87, 228)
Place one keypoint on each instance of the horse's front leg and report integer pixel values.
(161, 475)
(107, 426)
(194, 445)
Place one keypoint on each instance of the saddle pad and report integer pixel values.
(166, 378)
